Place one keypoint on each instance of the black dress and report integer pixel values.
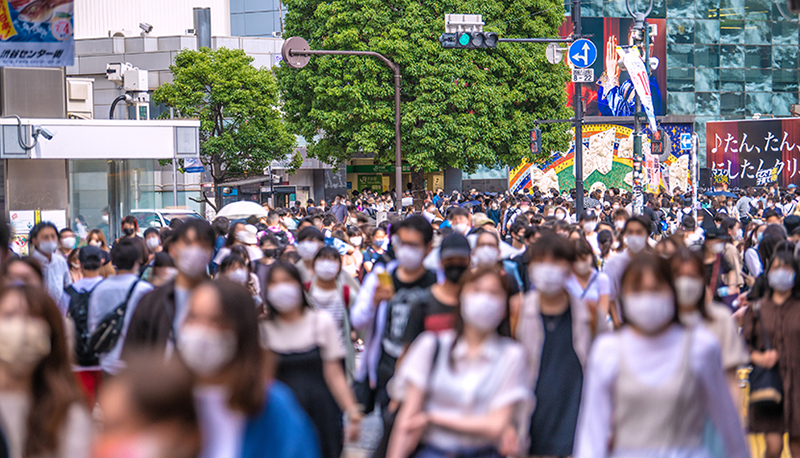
(303, 373)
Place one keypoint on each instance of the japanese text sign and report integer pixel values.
(36, 33)
(754, 152)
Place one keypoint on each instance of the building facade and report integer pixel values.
(257, 18)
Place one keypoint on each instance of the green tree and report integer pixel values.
(461, 108)
(241, 130)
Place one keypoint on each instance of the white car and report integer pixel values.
(161, 217)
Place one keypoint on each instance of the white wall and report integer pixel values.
(94, 18)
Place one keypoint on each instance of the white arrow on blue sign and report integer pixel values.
(582, 53)
(686, 141)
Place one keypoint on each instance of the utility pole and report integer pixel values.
(577, 104)
(641, 35)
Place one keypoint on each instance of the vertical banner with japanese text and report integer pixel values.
(36, 33)
(754, 152)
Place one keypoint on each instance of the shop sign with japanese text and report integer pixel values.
(36, 33)
(754, 152)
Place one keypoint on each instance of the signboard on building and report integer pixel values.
(374, 182)
(754, 152)
(36, 33)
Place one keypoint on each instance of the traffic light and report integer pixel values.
(658, 143)
(469, 40)
(536, 141)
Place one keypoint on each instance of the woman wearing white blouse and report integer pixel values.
(650, 387)
(461, 386)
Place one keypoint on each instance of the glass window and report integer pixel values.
(706, 31)
(757, 57)
(707, 9)
(707, 103)
(781, 13)
(731, 79)
(680, 103)
(680, 8)
(592, 8)
(616, 8)
(758, 102)
(760, 10)
(759, 80)
(757, 32)
(706, 56)
(731, 56)
(784, 57)
(680, 31)
(706, 79)
(731, 9)
(659, 9)
(680, 55)
(781, 103)
(731, 103)
(731, 32)
(680, 79)
(785, 80)
(784, 33)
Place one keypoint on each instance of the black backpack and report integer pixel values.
(108, 331)
(78, 311)
(283, 239)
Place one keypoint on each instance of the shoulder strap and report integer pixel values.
(715, 273)
(130, 293)
(588, 285)
(346, 296)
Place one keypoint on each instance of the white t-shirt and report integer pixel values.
(316, 328)
(598, 286)
(222, 428)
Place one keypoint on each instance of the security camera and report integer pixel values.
(146, 28)
(39, 130)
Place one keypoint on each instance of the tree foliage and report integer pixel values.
(241, 130)
(460, 108)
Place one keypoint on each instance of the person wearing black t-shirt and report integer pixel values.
(436, 309)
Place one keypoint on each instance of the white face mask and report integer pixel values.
(619, 224)
(635, 243)
(583, 267)
(485, 255)
(24, 342)
(483, 311)
(326, 269)
(781, 280)
(689, 290)
(649, 311)
(548, 278)
(560, 216)
(240, 276)
(48, 247)
(96, 243)
(152, 243)
(193, 260)
(307, 249)
(461, 228)
(105, 218)
(68, 243)
(738, 235)
(589, 226)
(285, 297)
(242, 236)
(254, 253)
(356, 241)
(206, 351)
(409, 257)
(170, 273)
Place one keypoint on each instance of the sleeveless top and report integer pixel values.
(660, 417)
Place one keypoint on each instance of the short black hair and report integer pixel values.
(203, 231)
(39, 227)
(151, 231)
(416, 223)
(329, 219)
(130, 219)
(769, 214)
(556, 246)
(125, 254)
(221, 225)
(457, 211)
(64, 231)
(310, 233)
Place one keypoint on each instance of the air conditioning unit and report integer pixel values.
(80, 98)
(119, 33)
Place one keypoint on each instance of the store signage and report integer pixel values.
(36, 33)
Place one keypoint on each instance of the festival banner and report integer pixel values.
(36, 33)
(754, 152)
(637, 70)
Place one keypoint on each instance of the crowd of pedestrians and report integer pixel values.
(479, 326)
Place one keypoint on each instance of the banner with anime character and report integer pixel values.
(613, 92)
(754, 152)
(36, 33)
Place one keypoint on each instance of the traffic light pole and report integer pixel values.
(577, 104)
(639, 26)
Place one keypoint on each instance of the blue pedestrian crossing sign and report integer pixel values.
(582, 53)
(686, 141)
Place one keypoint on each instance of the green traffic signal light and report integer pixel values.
(464, 39)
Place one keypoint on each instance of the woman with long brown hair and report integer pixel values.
(42, 412)
(460, 387)
(242, 410)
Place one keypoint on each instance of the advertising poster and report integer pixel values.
(754, 152)
(607, 159)
(612, 94)
(36, 33)
(21, 224)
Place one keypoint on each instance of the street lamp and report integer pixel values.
(296, 53)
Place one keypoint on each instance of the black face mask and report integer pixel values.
(128, 231)
(271, 253)
(453, 273)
